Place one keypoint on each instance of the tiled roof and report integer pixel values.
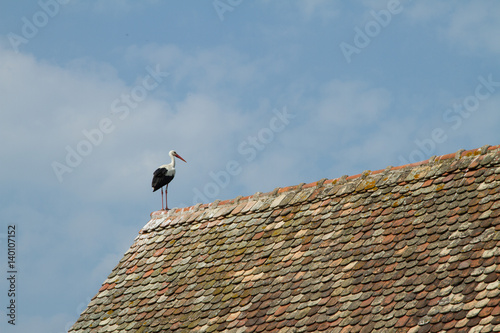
(405, 249)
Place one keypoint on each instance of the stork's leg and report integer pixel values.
(166, 197)
(161, 198)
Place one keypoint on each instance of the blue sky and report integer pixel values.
(253, 94)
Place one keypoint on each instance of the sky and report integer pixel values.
(254, 95)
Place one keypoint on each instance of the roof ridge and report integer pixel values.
(342, 181)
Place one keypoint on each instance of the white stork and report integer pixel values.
(164, 175)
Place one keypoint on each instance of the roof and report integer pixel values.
(405, 249)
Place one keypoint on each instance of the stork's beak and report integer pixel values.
(179, 156)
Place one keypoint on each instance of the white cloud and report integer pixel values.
(340, 115)
(352, 102)
(329, 130)
(473, 27)
(206, 70)
(66, 102)
(323, 9)
(45, 108)
(113, 6)
(476, 27)
(425, 10)
(307, 10)
(202, 124)
(484, 120)
(200, 128)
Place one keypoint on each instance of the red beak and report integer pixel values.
(179, 156)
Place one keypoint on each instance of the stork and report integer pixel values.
(164, 175)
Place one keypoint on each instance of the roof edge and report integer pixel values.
(434, 160)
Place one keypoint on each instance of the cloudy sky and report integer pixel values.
(253, 94)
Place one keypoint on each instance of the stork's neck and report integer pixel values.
(172, 162)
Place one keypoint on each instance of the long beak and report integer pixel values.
(179, 156)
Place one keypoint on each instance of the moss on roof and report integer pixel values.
(407, 249)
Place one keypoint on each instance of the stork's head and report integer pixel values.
(174, 153)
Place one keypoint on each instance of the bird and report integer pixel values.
(164, 175)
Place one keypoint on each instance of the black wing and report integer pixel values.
(160, 179)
